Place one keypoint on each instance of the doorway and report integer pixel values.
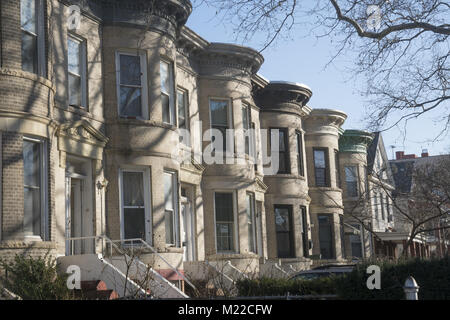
(187, 226)
(326, 236)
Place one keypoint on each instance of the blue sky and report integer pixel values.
(304, 59)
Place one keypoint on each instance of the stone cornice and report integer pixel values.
(355, 141)
(284, 97)
(327, 117)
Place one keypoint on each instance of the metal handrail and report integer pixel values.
(145, 244)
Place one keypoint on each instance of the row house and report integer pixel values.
(107, 109)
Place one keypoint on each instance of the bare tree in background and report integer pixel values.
(402, 46)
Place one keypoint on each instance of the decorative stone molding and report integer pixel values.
(28, 76)
(81, 138)
(326, 117)
(355, 141)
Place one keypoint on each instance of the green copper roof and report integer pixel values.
(355, 141)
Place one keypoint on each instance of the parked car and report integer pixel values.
(323, 271)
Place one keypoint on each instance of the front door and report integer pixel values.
(187, 230)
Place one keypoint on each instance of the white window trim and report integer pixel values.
(173, 116)
(40, 38)
(83, 67)
(176, 221)
(147, 202)
(226, 152)
(235, 222)
(144, 84)
(44, 190)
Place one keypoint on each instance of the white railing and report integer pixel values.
(107, 243)
(132, 244)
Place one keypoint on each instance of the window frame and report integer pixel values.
(41, 53)
(234, 237)
(305, 235)
(147, 202)
(247, 129)
(173, 115)
(286, 152)
(356, 181)
(251, 222)
(291, 229)
(43, 167)
(144, 84)
(229, 122)
(327, 183)
(337, 169)
(185, 95)
(176, 231)
(83, 68)
(300, 153)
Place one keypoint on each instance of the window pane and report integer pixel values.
(28, 15)
(134, 223)
(130, 101)
(224, 207)
(282, 219)
(168, 191)
(282, 139)
(181, 98)
(219, 112)
(73, 53)
(31, 163)
(319, 159)
(350, 174)
(245, 122)
(165, 77)
(32, 211)
(130, 70)
(224, 233)
(133, 189)
(74, 90)
(165, 108)
(29, 52)
(168, 220)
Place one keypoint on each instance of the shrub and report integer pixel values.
(432, 277)
(280, 287)
(36, 278)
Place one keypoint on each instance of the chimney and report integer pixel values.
(399, 155)
(424, 153)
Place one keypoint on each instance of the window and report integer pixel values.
(355, 242)
(171, 208)
(131, 85)
(34, 183)
(251, 222)
(336, 169)
(351, 181)
(247, 124)
(76, 56)
(224, 212)
(342, 234)
(284, 231)
(321, 167)
(33, 45)
(326, 236)
(388, 209)
(300, 167)
(283, 151)
(375, 204)
(382, 207)
(167, 89)
(183, 115)
(135, 204)
(305, 240)
(366, 184)
(219, 120)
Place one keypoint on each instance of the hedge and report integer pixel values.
(433, 277)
